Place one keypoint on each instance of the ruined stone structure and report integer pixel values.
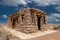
(28, 20)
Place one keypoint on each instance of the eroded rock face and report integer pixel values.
(28, 20)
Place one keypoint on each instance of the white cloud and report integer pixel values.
(46, 2)
(24, 2)
(14, 2)
(28, 1)
(58, 8)
(54, 17)
(4, 16)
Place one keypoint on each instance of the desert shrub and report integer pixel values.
(58, 27)
(55, 28)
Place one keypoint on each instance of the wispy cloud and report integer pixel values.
(54, 17)
(24, 2)
(13, 2)
(58, 8)
(45, 2)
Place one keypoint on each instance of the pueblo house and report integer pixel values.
(28, 20)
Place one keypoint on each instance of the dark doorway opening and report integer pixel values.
(38, 22)
(13, 23)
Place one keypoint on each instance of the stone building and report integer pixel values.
(28, 20)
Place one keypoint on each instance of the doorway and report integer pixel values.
(13, 23)
(38, 22)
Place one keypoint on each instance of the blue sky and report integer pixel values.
(51, 7)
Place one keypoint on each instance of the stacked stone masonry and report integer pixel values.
(28, 20)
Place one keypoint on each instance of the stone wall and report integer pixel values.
(28, 20)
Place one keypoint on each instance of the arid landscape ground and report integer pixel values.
(10, 34)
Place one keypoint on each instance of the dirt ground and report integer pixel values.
(53, 36)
